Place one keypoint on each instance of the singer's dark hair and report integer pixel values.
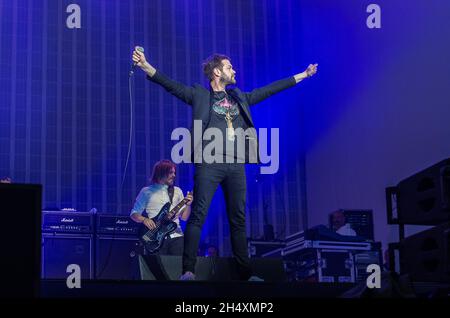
(212, 62)
(161, 169)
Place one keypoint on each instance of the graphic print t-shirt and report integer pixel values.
(223, 103)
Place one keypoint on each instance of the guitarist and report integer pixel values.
(152, 198)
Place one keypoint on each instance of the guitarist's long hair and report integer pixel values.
(161, 169)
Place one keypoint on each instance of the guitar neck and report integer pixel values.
(173, 214)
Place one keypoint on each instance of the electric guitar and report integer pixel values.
(165, 225)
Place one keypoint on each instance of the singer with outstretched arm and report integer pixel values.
(225, 109)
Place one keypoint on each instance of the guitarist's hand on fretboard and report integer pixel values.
(190, 198)
(149, 223)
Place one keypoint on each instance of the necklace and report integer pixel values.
(230, 128)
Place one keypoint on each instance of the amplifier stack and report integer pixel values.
(103, 245)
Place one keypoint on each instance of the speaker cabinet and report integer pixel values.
(425, 256)
(60, 250)
(424, 198)
(20, 238)
(116, 258)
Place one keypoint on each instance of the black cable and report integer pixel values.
(108, 258)
(131, 131)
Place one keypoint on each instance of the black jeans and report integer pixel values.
(172, 246)
(150, 265)
(207, 177)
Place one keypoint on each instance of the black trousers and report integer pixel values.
(150, 266)
(172, 246)
(207, 177)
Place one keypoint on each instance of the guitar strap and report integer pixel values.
(171, 191)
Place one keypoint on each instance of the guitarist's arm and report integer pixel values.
(138, 208)
(187, 210)
(138, 218)
(186, 213)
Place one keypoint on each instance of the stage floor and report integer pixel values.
(191, 289)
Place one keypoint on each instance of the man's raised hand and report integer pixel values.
(311, 69)
(141, 61)
(139, 57)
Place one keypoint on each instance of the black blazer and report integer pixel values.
(200, 98)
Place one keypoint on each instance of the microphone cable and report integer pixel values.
(130, 141)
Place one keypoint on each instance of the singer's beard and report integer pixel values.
(227, 80)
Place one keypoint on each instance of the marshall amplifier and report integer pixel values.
(116, 225)
(117, 257)
(59, 250)
(67, 222)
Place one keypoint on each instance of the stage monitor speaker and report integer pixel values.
(424, 198)
(20, 240)
(116, 258)
(425, 256)
(167, 267)
(61, 250)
